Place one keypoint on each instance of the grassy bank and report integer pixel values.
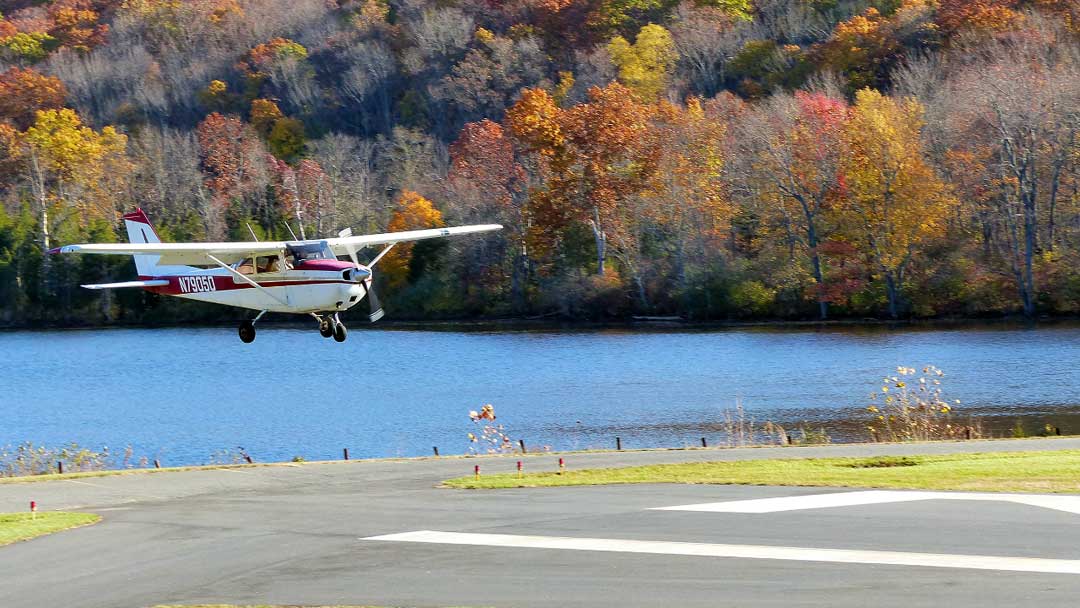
(1056, 471)
(15, 527)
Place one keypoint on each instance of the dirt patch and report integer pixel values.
(883, 463)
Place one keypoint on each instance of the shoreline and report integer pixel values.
(29, 479)
(583, 325)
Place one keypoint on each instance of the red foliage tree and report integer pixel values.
(230, 151)
(483, 158)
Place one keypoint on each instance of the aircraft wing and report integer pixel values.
(182, 254)
(341, 245)
(198, 254)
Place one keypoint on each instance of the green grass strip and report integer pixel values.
(1054, 472)
(22, 526)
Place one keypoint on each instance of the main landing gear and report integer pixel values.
(247, 329)
(331, 326)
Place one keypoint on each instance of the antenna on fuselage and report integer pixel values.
(290, 231)
(252, 232)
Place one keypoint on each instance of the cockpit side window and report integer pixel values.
(267, 264)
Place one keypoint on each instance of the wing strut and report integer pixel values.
(381, 254)
(245, 279)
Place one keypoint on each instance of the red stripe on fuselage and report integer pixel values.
(183, 285)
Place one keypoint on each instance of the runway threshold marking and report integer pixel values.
(1068, 504)
(838, 556)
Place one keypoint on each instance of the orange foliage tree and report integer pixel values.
(865, 48)
(954, 16)
(75, 25)
(688, 197)
(414, 212)
(594, 156)
(23, 92)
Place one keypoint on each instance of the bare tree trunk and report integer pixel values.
(641, 291)
(601, 242)
(1030, 226)
(892, 289)
(815, 260)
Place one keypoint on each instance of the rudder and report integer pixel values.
(140, 230)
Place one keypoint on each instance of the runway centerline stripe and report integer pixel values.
(839, 556)
(1068, 504)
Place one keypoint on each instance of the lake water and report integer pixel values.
(183, 395)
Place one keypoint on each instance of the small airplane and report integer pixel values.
(302, 277)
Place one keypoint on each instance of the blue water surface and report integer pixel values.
(182, 395)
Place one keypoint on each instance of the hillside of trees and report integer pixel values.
(713, 159)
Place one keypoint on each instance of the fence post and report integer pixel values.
(60, 466)
(703, 443)
(618, 444)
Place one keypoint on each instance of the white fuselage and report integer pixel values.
(292, 291)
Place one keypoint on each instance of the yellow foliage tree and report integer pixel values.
(896, 202)
(73, 170)
(414, 212)
(264, 113)
(646, 65)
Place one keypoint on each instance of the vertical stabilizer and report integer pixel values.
(140, 230)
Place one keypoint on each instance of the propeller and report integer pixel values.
(375, 310)
(374, 307)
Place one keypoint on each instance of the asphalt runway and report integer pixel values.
(382, 533)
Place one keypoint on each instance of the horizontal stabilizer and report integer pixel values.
(155, 283)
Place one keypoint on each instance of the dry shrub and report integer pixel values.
(910, 407)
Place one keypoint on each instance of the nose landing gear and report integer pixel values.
(340, 333)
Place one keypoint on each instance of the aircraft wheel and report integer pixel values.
(326, 328)
(247, 332)
(340, 333)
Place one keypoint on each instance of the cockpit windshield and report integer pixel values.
(303, 252)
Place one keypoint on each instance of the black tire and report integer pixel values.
(340, 333)
(326, 328)
(247, 332)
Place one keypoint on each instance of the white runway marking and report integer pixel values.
(1069, 504)
(839, 556)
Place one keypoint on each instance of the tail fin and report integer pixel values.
(140, 230)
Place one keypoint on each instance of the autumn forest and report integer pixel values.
(710, 159)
